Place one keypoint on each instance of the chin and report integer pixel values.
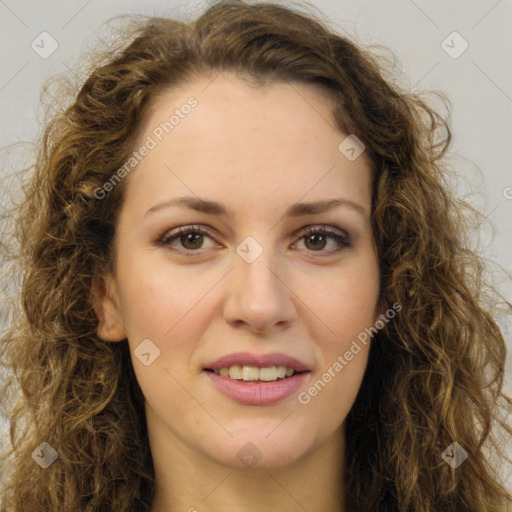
(261, 451)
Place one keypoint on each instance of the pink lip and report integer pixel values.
(250, 393)
(261, 361)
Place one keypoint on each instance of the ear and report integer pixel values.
(106, 306)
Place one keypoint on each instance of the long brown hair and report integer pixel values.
(435, 372)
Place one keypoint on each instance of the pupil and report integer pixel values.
(191, 240)
(316, 239)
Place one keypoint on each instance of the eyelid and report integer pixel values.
(331, 230)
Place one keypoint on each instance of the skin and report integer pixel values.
(256, 150)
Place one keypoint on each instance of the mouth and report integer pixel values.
(256, 391)
(257, 379)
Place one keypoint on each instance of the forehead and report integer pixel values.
(268, 143)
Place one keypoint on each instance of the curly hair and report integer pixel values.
(434, 374)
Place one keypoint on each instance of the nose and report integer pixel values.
(258, 297)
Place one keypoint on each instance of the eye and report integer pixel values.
(317, 238)
(189, 238)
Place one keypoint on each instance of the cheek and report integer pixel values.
(157, 299)
(345, 305)
(173, 309)
(334, 388)
(344, 301)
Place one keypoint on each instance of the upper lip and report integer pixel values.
(259, 360)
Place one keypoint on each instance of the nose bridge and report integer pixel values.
(257, 295)
(258, 277)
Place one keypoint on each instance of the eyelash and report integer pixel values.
(164, 241)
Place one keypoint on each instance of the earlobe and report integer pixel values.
(105, 305)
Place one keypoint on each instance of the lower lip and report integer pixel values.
(251, 393)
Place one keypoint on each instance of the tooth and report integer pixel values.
(268, 374)
(235, 372)
(281, 372)
(250, 373)
(253, 373)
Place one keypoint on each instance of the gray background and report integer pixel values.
(478, 82)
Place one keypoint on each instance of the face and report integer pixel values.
(240, 268)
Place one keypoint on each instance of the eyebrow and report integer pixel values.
(295, 210)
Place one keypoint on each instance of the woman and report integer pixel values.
(245, 287)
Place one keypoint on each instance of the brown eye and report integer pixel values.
(187, 239)
(192, 240)
(315, 241)
(319, 238)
